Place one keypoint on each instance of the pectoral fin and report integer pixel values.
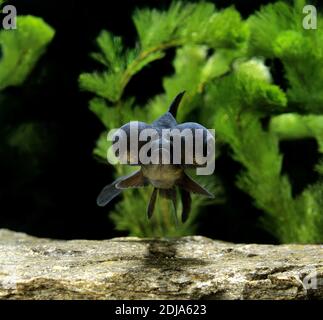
(112, 190)
(134, 180)
(190, 185)
(108, 193)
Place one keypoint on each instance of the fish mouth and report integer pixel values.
(162, 176)
(162, 184)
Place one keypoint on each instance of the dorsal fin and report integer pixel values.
(174, 105)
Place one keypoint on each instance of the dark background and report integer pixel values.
(52, 193)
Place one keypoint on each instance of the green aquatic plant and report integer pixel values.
(20, 49)
(220, 62)
(275, 33)
(159, 31)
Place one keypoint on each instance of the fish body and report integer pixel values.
(164, 177)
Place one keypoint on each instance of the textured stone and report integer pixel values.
(132, 268)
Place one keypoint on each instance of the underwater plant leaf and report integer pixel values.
(238, 102)
(295, 126)
(258, 152)
(267, 23)
(277, 32)
(104, 84)
(157, 32)
(225, 64)
(21, 49)
(302, 57)
(159, 27)
(111, 48)
(226, 29)
(319, 167)
(309, 214)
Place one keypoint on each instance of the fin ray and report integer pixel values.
(190, 185)
(186, 204)
(107, 194)
(151, 204)
(112, 190)
(134, 180)
(174, 105)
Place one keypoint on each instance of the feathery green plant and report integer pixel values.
(194, 30)
(276, 32)
(219, 60)
(20, 50)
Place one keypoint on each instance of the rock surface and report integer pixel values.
(133, 268)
